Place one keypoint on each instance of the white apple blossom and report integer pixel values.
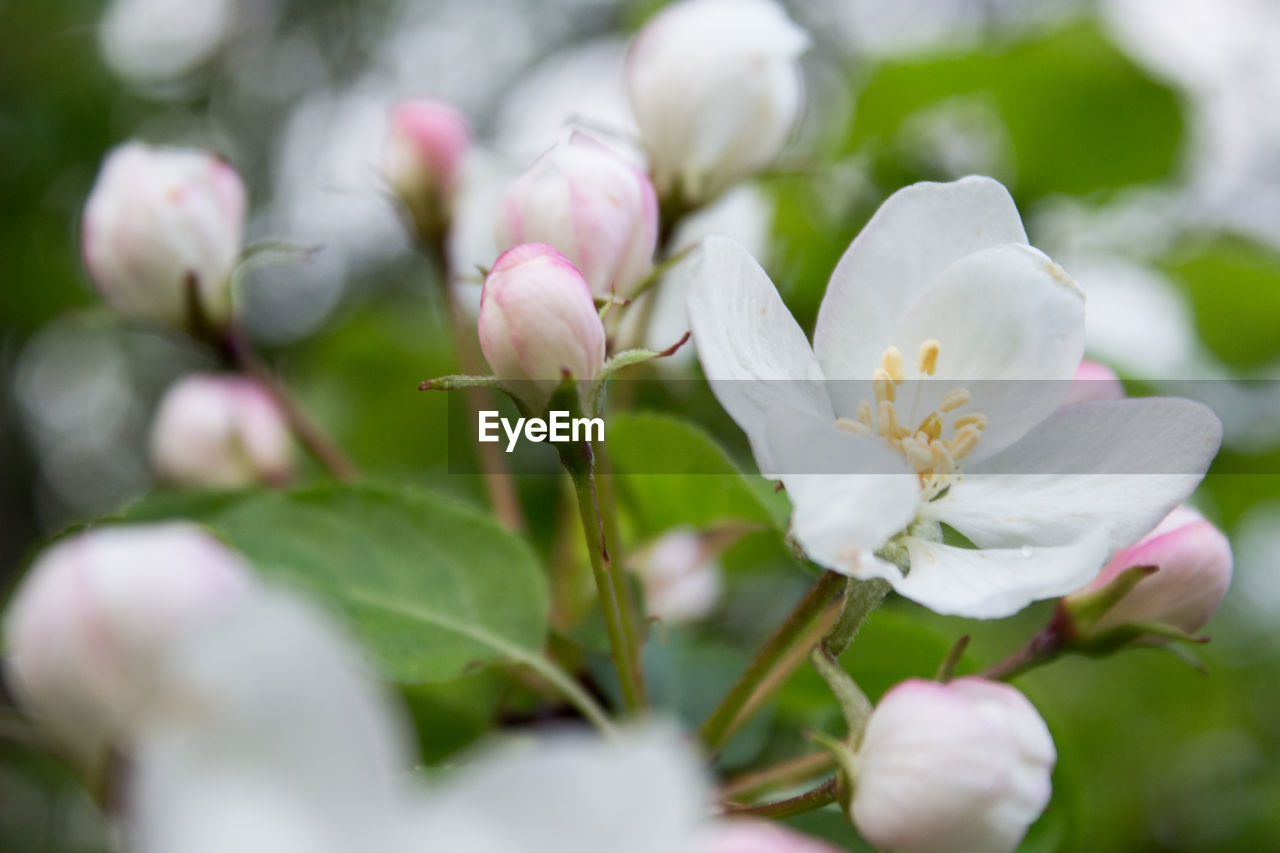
(89, 625)
(716, 90)
(267, 734)
(575, 793)
(942, 285)
(958, 766)
(216, 431)
(158, 223)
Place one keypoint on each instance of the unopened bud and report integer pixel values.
(426, 142)
(1192, 569)
(222, 432)
(959, 766)
(161, 234)
(88, 627)
(538, 320)
(1094, 381)
(716, 90)
(591, 204)
(758, 836)
(680, 575)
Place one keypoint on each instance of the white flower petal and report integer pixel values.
(996, 582)
(576, 793)
(917, 233)
(842, 517)
(1113, 466)
(749, 343)
(1010, 324)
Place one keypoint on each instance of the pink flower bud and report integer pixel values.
(537, 318)
(426, 142)
(1193, 570)
(217, 431)
(680, 575)
(1094, 381)
(757, 836)
(590, 203)
(88, 626)
(958, 766)
(160, 223)
(716, 90)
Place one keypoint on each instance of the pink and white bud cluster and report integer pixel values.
(1193, 570)
(716, 89)
(161, 226)
(221, 432)
(538, 319)
(958, 766)
(89, 625)
(681, 577)
(426, 142)
(592, 205)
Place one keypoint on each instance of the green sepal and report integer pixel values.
(1085, 610)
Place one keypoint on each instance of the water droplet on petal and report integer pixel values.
(1028, 551)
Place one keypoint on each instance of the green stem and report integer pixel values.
(323, 449)
(631, 621)
(860, 598)
(624, 659)
(715, 731)
(811, 800)
(781, 775)
(579, 698)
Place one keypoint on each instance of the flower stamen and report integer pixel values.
(935, 458)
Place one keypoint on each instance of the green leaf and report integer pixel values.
(432, 587)
(1079, 115)
(1235, 289)
(672, 473)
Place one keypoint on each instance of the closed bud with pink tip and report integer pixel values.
(538, 321)
(1189, 567)
(426, 142)
(220, 432)
(591, 204)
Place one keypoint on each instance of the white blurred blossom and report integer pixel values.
(88, 628)
(151, 42)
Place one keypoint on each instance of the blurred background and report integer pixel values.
(1140, 139)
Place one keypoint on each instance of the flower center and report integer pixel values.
(937, 444)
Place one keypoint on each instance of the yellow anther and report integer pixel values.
(932, 426)
(855, 427)
(887, 422)
(953, 400)
(974, 420)
(928, 360)
(884, 387)
(864, 413)
(964, 442)
(943, 461)
(891, 363)
(918, 454)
